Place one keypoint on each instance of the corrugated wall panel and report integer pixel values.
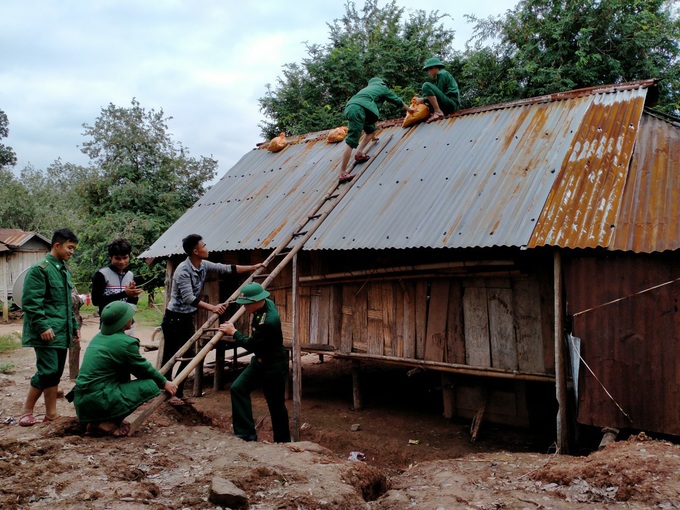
(632, 346)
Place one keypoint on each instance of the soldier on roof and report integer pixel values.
(443, 95)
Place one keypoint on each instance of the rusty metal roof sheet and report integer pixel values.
(12, 238)
(544, 171)
(649, 217)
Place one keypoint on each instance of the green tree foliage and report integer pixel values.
(7, 155)
(53, 196)
(547, 46)
(16, 206)
(366, 42)
(140, 182)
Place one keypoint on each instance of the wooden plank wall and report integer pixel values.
(482, 322)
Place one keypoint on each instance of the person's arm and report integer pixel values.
(257, 342)
(249, 269)
(139, 366)
(187, 296)
(33, 298)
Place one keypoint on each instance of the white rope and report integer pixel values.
(625, 297)
(605, 389)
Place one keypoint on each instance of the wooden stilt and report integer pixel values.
(358, 405)
(448, 395)
(477, 420)
(218, 381)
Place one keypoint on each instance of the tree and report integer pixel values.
(548, 46)
(7, 155)
(140, 182)
(16, 205)
(363, 43)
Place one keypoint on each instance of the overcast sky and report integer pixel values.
(205, 63)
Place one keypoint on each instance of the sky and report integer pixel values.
(205, 63)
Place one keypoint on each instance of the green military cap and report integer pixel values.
(432, 62)
(251, 293)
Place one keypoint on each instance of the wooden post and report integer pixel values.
(167, 283)
(5, 290)
(198, 375)
(357, 403)
(448, 395)
(560, 367)
(297, 369)
(74, 350)
(218, 383)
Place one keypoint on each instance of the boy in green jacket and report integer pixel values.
(104, 393)
(49, 323)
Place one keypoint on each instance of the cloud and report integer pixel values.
(205, 63)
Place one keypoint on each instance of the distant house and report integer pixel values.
(18, 250)
(470, 245)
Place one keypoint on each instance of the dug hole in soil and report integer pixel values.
(413, 457)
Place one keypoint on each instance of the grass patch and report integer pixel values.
(6, 367)
(145, 316)
(10, 342)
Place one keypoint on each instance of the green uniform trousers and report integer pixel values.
(272, 377)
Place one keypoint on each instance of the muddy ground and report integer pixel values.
(414, 458)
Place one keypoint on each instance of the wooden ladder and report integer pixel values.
(288, 248)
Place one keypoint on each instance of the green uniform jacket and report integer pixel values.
(104, 391)
(374, 94)
(446, 83)
(46, 301)
(266, 340)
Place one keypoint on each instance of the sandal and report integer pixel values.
(346, 177)
(47, 419)
(122, 431)
(433, 117)
(175, 401)
(361, 158)
(27, 420)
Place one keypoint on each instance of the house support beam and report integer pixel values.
(560, 359)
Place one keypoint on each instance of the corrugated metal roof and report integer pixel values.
(649, 219)
(544, 171)
(15, 238)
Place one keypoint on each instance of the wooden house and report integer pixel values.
(18, 251)
(471, 245)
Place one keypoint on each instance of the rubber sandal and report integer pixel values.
(435, 116)
(176, 401)
(362, 159)
(346, 177)
(122, 431)
(47, 419)
(27, 420)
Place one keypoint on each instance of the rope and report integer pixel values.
(605, 389)
(625, 297)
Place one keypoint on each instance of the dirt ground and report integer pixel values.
(414, 458)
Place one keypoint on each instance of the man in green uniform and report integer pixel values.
(442, 95)
(268, 366)
(362, 113)
(49, 323)
(104, 394)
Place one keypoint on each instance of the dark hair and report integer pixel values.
(119, 246)
(63, 235)
(190, 242)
